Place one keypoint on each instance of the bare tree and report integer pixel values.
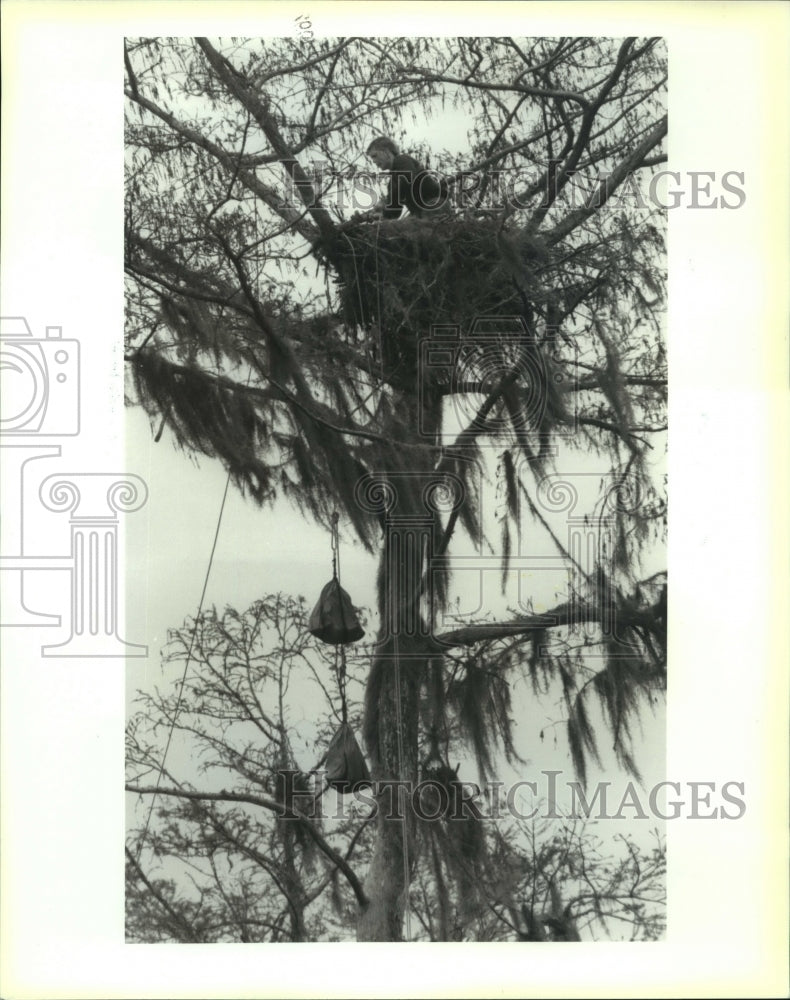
(252, 846)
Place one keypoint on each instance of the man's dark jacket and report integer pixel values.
(414, 188)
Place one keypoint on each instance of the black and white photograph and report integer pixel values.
(409, 292)
(393, 435)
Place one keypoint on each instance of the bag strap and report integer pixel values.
(340, 653)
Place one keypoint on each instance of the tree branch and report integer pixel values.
(176, 917)
(609, 185)
(563, 614)
(232, 163)
(241, 90)
(275, 807)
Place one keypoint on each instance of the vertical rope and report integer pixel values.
(362, 310)
(342, 686)
(398, 707)
(335, 547)
(378, 298)
(340, 649)
(161, 768)
(398, 711)
(399, 727)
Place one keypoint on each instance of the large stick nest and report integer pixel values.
(400, 280)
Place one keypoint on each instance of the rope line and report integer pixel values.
(161, 769)
(361, 302)
(398, 707)
(378, 300)
(340, 649)
(398, 712)
(399, 728)
(186, 668)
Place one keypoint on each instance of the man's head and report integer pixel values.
(382, 151)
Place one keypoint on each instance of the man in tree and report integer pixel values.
(411, 186)
(301, 415)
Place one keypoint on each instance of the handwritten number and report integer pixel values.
(305, 25)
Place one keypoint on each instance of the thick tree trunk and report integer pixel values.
(395, 773)
(403, 499)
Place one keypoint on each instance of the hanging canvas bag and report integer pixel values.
(346, 769)
(333, 619)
